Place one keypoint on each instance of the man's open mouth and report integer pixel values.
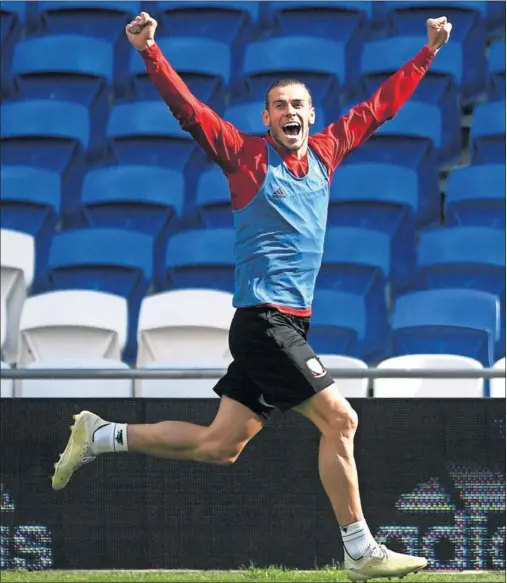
(292, 128)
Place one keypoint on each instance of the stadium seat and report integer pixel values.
(148, 199)
(75, 388)
(469, 31)
(475, 196)
(115, 261)
(213, 199)
(382, 197)
(447, 321)
(206, 77)
(105, 19)
(347, 22)
(6, 385)
(199, 259)
(320, 63)
(349, 388)
(497, 386)
(357, 261)
(339, 323)
(246, 117)
(66, 67)
(496, 71)
(30, 203)
(147, 133)
(223, 21)
(467, 258)
(402, 388)
(73, 324)
(47, 134)
(487, 136)
(495, 19)
(17, 274)
(12, 21)
(440, 86)
(183, 329)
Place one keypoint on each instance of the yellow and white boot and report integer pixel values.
(380, 562)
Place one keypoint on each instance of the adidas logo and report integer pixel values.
(279, 193)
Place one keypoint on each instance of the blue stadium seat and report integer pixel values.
(496, 71)
(12, 21)
(446, 321)
(357, 261)
(47, 134)
(116, 261)
(199, 259)
(386, 198)
(469, 31)
(475, 196)
(495, 18)
(105, 19)
(440, 86)
(206, 76)
(68, 68)
(223, 21)
(464, 257)
(487, 135)
(246, 117)
(30, 203)
(338, 323)
(317, 62)
(213, 199)
(346, 21)
(147, 199)
(147, 133)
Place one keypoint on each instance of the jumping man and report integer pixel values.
(279, 187)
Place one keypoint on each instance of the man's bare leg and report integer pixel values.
(220, 443)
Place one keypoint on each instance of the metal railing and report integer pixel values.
(210, 373)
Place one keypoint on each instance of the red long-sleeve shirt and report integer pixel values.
(243, 158)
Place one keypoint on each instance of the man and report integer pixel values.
(279, 187)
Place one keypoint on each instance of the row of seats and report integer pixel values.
(189, 328)
(354, 275)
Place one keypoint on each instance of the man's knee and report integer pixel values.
(220, 453)
(342, 423)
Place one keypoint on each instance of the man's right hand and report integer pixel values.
(141, 31)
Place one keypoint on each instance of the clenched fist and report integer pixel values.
(141, 31)
(439, 32)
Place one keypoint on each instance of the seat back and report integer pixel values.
(72, 324)
(75, 388)
(213, 199)
(476, 196)
(447, 321)
(200, 259)
(147, 133)
(17, 272)
(496, 71)
(497, 386)
(429, 388)
(349, 388)
(184, 327)
(487, 135)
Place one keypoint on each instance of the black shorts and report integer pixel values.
(274, 367)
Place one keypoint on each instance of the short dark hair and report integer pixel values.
(286, 83)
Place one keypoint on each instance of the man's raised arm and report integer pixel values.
(343, 136)
(217, 137)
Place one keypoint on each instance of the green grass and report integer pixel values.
(251, 575)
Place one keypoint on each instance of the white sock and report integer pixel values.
(357, 539)
(111, 437)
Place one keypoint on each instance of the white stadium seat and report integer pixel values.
(72, 324)
(17, 251)
(75, 388)
(497, 386)
(349, 388)
(6, 385)
(183, 329)
(3, 324)
(429, 388)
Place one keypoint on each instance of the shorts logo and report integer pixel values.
(316, 368)
(262, 401)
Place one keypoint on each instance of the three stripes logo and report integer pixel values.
(279, 193)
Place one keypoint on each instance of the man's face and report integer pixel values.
(289, 116)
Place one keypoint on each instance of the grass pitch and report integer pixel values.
(251, 575)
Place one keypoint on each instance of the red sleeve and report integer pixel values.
(343, 136)
(220, 139)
